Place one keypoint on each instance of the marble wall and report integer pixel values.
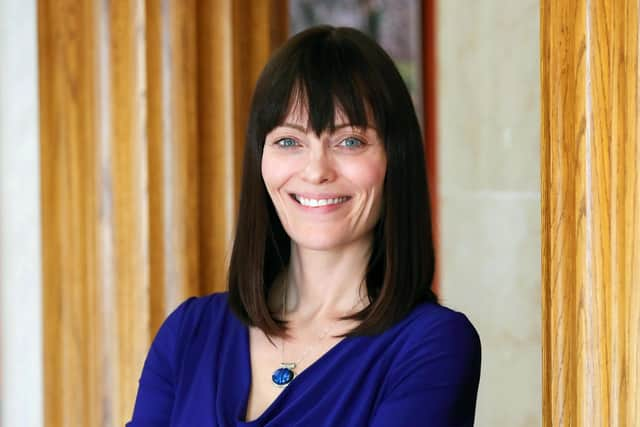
(20, 268)
(489, 139)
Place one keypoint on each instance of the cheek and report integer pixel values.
(274, 172)
(368, 174)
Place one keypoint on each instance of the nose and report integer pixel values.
(319, 168)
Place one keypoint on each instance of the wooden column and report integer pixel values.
(590, 212)
(142, 108)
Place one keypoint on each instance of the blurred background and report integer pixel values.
(121, 127)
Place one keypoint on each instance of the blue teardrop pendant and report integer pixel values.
(282, 376)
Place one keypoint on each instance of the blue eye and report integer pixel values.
(286, 143)
(351, 142)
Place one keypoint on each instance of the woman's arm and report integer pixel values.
(154, 402)
(436, 384)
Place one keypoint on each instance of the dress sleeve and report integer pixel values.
(435, 384)
(154, 402)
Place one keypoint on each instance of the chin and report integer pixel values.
(322, 243)
(323, 239)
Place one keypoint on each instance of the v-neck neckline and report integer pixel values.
(246, 362)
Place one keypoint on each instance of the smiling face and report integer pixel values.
(326, 189)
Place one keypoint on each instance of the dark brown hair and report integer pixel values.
(337, 68)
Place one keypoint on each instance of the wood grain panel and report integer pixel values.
(173, 148)
(590, 242)
(624, 295)
(230, 60)
(221, 145)
(124, 220)
(142, 113)
(72, 338)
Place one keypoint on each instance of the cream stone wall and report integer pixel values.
(489, 114)
(21, 375)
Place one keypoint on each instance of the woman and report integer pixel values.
(329, 319)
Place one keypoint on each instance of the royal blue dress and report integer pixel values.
(424, 371)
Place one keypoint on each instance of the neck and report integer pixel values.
(327, 284)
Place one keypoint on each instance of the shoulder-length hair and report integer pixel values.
(329, 68)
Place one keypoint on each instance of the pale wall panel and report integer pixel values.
(489, 143)
(20, 272)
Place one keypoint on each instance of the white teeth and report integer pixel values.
(320, 202)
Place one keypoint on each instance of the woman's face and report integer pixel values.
(327, 189)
